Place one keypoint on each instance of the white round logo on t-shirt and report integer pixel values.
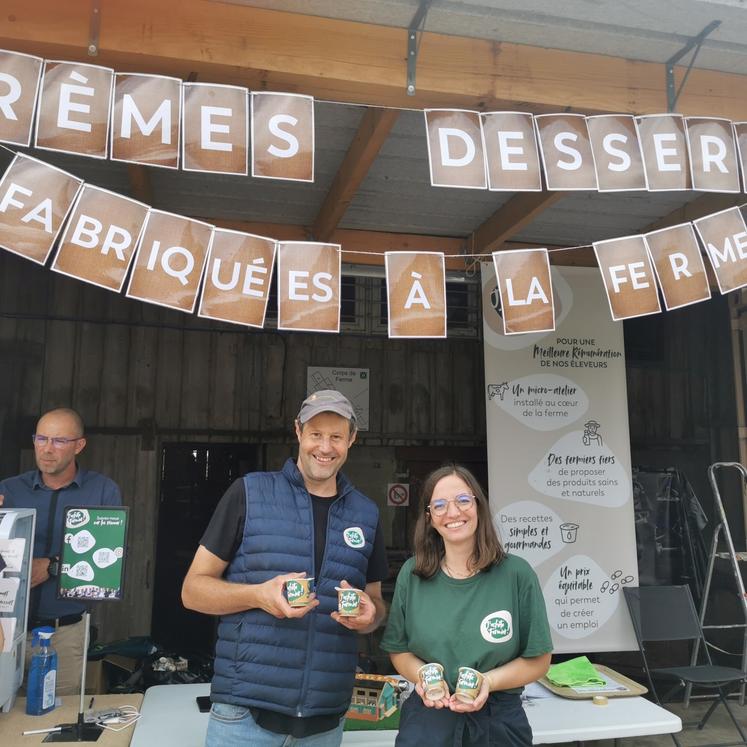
(497, 627)
(354, 537)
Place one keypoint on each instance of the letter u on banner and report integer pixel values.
(309, 276)
(416, 294)
(456, 151)
(19, 86)
(525, 288)
(724, 235)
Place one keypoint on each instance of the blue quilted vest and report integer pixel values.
(299, 667)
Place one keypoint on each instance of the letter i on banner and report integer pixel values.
(566, 151)
(416, 294)
(35, 199)
(283, 136)
(525, 288)
(456, 149)
(664, 149)
(724, 235)
(100, 238)
(628, 277)
(19, 86)
(713, 154)
(74, 108)
(169, 261)
(309, 276)
(617, 153)
(237, 281)
(145, 119)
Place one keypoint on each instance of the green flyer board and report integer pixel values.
(93, 553)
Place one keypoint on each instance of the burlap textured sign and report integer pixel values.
(237, 281)
(511, 152)
(309, 276)
(455, 148)
(35, 198)
(215, 128)
(100, 238)
(74, 107)
(19, 84)
(724, 236)
(416, 294)
(713, 154)
(664, 148)
(628, 277)
(566, 152)
(679, 265)
(169, 261)
(617, 152)
(145, 119)
(525, 289)
(283, 136)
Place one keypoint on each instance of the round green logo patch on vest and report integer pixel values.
(354, 537)
(497, 627)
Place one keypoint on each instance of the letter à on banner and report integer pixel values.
(215, 128)
(169, 260)
(664, 148)
(617, 153)
(713, 154)
(455, 148)
(237, 281)
(679, 265)
(525, 288)
(724, 235)
(416, 294)
(73, 111)
(511, 152)
(145, 119)
(566, 151)
(35, 199)
(283, 136)
(628, 277)
(100, 238)
(309, 275)
(19, 85)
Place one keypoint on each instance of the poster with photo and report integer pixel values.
(559, 458)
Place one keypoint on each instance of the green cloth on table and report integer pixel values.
(574, 673)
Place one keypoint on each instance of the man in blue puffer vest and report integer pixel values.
(284, 675)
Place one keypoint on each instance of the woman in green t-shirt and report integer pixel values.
(462, 601)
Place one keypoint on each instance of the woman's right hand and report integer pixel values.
(428, 703)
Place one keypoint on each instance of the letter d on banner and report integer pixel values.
(456, 154)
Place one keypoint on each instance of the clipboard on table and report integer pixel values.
(616, 686)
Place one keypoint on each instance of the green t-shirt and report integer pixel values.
(479, 622)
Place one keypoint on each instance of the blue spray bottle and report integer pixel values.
(40, 692)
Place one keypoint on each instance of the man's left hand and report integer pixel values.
(361, 621)
(39, 571)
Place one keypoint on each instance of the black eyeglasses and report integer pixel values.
(57, 441)
(439, 506)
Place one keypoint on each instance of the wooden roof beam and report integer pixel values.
(698, 208)
(372, 132)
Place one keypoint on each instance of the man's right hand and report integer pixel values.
(271, 598)
(39, 571)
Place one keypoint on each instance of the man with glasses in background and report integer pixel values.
(56, 483)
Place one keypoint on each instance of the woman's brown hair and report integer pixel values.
(429, 546)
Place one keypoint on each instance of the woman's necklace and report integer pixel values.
(453, 574)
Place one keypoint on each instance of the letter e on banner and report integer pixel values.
(566, 151)
(169, 261)
(416, 294)
(74, 108)
(35, 198)
(456, 153)
(664, 150)
(237, 281)
(309, 286)
(617, 152)
(628, 277)
(525, 288)
(713, 154)
(19, 85)
(724, 236)
(283, 136)
(511, 152)
(100, 238)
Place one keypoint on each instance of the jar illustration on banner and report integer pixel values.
(569, 532)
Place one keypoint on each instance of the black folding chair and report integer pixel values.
(667, 613)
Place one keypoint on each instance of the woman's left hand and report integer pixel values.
(459, 707)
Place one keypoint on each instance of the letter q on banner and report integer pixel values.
(416, 294)
(169, 261)
(628, 277)
(237, 281)
(566, 151)
(309, 276)
(525, 288)
(456, 151)
(19, 86)
(283, 136)
(35, 198)
(74, 107)
(100, 238)
(724, 236)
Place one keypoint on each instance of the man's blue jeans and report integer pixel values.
(233, 726)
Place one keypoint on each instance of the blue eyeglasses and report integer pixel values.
(439, 506)
(57, 441)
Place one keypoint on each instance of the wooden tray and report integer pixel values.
(628, 687)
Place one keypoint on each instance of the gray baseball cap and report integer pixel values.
(326, 400)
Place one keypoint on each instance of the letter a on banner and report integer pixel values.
(724, 235)
(100, 238)
(525, 288)
(283, 136)
(35, 198)
(19, 85)
(416, 294)
(628, 277)
(309, 276)
(456, 154)
(566, 151)
(169, 261)
(237, 281)
(74, 108)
